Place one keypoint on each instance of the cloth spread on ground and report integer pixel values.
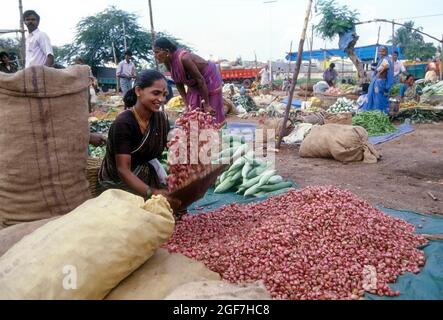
(402, 130)
(427, 285)
(296, 104)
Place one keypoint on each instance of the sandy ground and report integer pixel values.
(412, 166)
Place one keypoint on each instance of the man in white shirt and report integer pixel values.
(399, 68)
(38, 46)
(265, 79)
(126, 73)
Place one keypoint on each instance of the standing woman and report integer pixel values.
(382, 81)
(202, 77)
(137, 139)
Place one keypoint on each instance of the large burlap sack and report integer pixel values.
(88, 252)
(339, 118)
(11, 235)
(220, 290)
(339, 142)
(160, 276)
(44, 141)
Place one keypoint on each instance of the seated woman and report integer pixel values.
(137, 139)
(409, 90)
(202, 77)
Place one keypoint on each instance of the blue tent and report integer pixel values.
(366, 54)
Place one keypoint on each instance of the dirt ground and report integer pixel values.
(412, 166)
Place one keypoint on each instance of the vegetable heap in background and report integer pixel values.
(246, 102)
(431, 90)
(376, 123)
(181, 174)
(248, 175)
(176, 104)
(419, 115)
(319, 243)
(343, 105)
(97, 152)
(395, 90)
(100, 126)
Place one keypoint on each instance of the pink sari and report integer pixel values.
(213, 82)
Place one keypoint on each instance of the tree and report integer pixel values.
(340, 21)
(11, 46)
(96, 35)
(413, 44)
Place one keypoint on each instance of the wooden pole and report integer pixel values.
(311, 44)
(256, 66)
(296, 73)
(290, 59)
(22, 31)
(116, 64)
(393, 47)
(151, 16)
(441, 60)
(378, 43)
(124, 36)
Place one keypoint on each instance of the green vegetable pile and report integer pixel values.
(100, 126)
(246, 102)
(248, 175)
(97, 152)
(395, 90)
(418, 115)
(343, 105)
(376, 123)
(431, 90)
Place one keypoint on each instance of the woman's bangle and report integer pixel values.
(149, 193)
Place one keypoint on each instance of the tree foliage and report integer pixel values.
(413, 44)
(96, 35)
(11, 46)
(336, 19)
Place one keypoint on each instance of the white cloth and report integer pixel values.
(126, 69)
(399, 68)
(265, 80)
(38, 48)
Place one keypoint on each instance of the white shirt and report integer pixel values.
(38, 47)
(399, 68)
(264, 77)
(126, 69)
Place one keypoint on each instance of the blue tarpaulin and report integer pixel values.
(366, 53)
(402, 130)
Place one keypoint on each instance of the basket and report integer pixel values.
(92, 168)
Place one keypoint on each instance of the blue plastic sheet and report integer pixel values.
(402, 130)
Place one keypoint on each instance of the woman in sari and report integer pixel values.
(409, 91)
(382, 81)
(137, 139)
(202, 78)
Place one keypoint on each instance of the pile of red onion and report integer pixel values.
(320, 243)
(181, 173)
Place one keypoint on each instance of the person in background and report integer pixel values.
(5, 64)
(265, 76)
(202, 78)
(38, 45)
(330, 75)
(432, 72)
(136, 139)
(399, 68)
(409, 91)
(246, 87)
(126, 73)
(381, 83)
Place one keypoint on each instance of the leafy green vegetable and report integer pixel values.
(376, 123)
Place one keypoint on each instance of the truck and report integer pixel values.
(238, 75)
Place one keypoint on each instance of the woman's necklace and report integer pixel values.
(144, 125)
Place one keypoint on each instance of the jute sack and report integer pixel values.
(88, 252)
(220, 290)
(339, 142)
(44, 140)
(339, 118)
(160, 276)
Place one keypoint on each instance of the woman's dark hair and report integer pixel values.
(3, 54)
(165, 44)
(332, 65)
(409, 77)
(31, 13)
(145, 79)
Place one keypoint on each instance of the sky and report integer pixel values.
(227, 29)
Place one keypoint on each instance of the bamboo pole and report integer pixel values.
(296, 73)
(124, 37)
(290, 59)
(441, 60)
(311, 44)
(116, 64)
(22, 31)
(151, 16)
